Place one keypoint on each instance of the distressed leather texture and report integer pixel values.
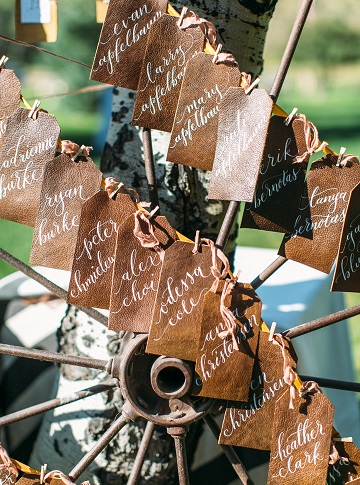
(218, 362)
(167, 52)
(347, 273)
(315, 237)
(193, 135)
(345, 472)
(10, 88)
(136, 276)
(280, 182)
(176, 321)
(91, 274)
(122, 41)
(249, 424)
(66, 187)
(301, 440)
(242, 131)
(28, 145)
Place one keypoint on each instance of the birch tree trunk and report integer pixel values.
(69, 433)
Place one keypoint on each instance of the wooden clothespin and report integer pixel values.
(289, 119)
(43, 473)
(182, 15)
(33, 112)
(343, 440)
(252, 85)
(197, 242)
(272, 331)
(340, 157)
(218, 49)
(153, 212)
(78, 153)
(3, 61)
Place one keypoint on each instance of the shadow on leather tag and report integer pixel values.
(301, 440)
(347, 469)
(136, 276)
(224, 372)
(67, 185)
(94, 257)
(122, 41)
(242, 131)
(28, 145)
(176, 320)
(347, 272)
(249, 424)
(315, 237)
(280, 182)
(167, 52)
(10, 88)
(193, 135)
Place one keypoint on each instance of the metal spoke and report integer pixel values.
(270, 270)
(150, 169)
(333, 383)
(229, 452)
(140, 455)
(54, 403)
(98, 447)
(179, 438)
(56, 357)
(322, 322)
(60, 292)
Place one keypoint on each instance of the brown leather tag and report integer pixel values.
(353, 482)
(94, 258)
(66, 187)
(242, 131)
(184, 280)
(301, 440)
(10, 88)
(122, 42)
(167, 52)
(193, 136)
(218, 361)
(249, 424)
(8, 470)
(280, 182)
(28, 145)
(28, 479)
(315, 237)
(136, 278)
(347, 272)
(347, 469)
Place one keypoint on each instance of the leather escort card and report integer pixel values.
(168, 50)
(94, 257)
(347, 272)
(36, 21)
(28, 145)
(281, 180)
(249, 424)
(223, 352)
(66, 187)
(8, 471)
(301, 440)
(122, 41)
(193, 135)
(315, 237)
(176, 321)
(242, 130)
(29, 479)
(347, 469)
(136, 275)
(10, 88)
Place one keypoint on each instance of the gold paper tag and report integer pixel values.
(36, 32)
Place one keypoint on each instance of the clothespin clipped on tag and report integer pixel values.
(343, 440)
(289, 119)
(197, 242)
(182, 15)
(153, 212)
(3, 61)
(43, 473)
(340, 157)
(272, 331)
(218, 49)
(34, 110)
(79, 153)
(252, 86)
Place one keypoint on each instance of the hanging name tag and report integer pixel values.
(167, 52)
(249, 424)
(223, 351)
(242, 131)
(122, 42)
(136, 275)
(280, 182)
(301, 440)
(193, 136)
(29, 479)
(10, 88)
(67, 185)
(315, 237)
(28, 145)
(176, 321)
(8, 471)
(347, 469)
(347, 272)
(36, 20)
(94, 257)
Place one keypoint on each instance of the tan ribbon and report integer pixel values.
(73, 149)
(334, 455)
(347, 158)
(245, 80)
(216, 254)
(147, 240)
(190, 19)
(227, 314)
(57, 474)
(225, 58)
(113, 186)
(312, 141)
(6, 462)
(289, 373)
